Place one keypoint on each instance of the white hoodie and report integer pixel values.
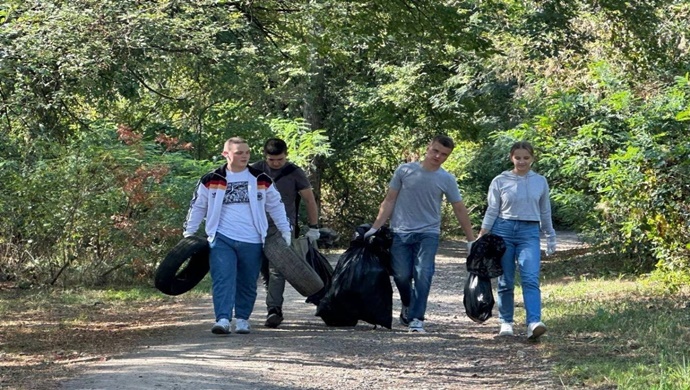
(523, 198)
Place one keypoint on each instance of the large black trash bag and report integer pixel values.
(322, 267)
(478, 299)
(485, 257)
(360, 289)
(379, 243)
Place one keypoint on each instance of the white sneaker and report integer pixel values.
(417, 326)
(535, 330)
(241, 326)
(221, 327)
(506, 329)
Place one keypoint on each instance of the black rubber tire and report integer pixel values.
(295, 269)
(170, 279)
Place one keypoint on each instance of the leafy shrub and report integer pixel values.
(618, 168)
(101, 208)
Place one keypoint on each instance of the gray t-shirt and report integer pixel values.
(288, 185)
(420, 193)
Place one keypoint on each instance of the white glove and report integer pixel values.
(287, 236)
(370, 233)
(550, 246)
(313, 234)
(469, 246)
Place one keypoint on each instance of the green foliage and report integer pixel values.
(303, 143)
(357, 180)
(595, 86)
(97, 206)
(600, 88)
(619, 175)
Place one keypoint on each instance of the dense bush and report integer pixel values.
(104, 201)
(618, 167)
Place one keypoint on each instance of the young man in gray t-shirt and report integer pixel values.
(413, 203)
(293, 185)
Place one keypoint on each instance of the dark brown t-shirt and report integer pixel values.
(288, 185)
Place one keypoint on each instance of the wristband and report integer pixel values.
(313, 226)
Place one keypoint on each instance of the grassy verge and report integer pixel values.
(607, 330)
(45, 334)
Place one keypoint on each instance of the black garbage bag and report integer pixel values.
(379, 243)
(479, 298)
(360, 290)
(485, 257)
(322, 267)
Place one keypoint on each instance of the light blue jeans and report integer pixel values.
(413, 262)
(235, 268)
(522, 248)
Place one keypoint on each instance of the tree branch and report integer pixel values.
(161, 94)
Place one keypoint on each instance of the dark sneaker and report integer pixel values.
(274, 318)
(403, 316)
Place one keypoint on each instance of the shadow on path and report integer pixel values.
(303, 353)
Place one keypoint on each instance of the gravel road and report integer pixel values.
(303, 353)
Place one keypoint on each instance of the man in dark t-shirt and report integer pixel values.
(293, 185)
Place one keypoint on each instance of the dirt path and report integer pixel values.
(303, 353)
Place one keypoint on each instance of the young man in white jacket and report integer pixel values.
(234, 200)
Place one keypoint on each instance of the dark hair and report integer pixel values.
(275, 146)
(444, 140)
(522, 145)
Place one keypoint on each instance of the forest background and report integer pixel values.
(111, 110)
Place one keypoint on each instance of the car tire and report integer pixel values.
(172, 278)
(295, 269)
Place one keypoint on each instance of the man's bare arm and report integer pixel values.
(464, 219)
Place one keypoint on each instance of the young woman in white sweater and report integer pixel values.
(518, 209)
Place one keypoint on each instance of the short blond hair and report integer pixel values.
(234, 140)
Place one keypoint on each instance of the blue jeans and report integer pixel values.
(235, 267)
(522, 247)
(413, 262)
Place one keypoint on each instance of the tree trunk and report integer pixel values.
(314, 112)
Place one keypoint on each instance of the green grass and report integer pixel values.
(34, 299)
(609, 330)
(147, 293)
(38, 325)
